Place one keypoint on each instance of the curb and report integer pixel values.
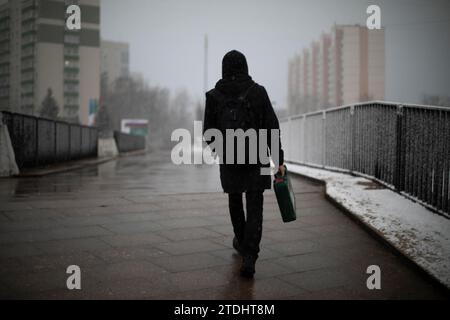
(379, 237)
(40, 172)
(72, 165)
(133, 153)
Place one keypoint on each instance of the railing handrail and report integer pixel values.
(362, 104)
(45, 118)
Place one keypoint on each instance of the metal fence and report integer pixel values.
(39, 141)
(405, 147)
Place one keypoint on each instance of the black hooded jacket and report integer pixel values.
(236, 80)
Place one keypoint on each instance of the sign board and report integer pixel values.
(137, 127)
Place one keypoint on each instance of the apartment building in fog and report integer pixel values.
(38, 52)
(346, 65)
(115, 61)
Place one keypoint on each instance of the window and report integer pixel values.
(27, 88)
(71, 51)
(71, 87)
(70, 101)
(28, 15)
(70, 76)
(28, 51)
(27, 63)
(71, 2)
(72, 38)
(28, 38)
(71, 63)
(26, 76)
(28, 27)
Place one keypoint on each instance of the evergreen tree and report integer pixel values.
(49, 108)
(102, 120)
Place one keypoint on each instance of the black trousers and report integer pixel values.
(247, 231)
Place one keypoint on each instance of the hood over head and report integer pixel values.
(234, 63)
(235, 77)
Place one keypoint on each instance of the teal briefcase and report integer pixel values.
(285, 197)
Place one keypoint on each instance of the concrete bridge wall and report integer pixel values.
(128, 143)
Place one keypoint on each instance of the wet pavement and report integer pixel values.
(141, 228)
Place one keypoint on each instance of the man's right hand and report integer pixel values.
(282, 170)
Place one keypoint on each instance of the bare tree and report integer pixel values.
(131, 99)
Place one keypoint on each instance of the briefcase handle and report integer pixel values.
(278, 177)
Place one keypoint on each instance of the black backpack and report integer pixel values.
(235, 112)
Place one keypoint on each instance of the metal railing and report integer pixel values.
(39, 141)
(405, 147)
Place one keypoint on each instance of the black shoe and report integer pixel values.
(248, 267)
(237, 246)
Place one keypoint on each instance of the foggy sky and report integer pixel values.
(166, 39)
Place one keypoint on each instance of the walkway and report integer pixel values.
(141, 228)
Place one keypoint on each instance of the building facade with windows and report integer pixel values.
(347, 65)
(38, 52)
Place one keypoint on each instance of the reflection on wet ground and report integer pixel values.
(153, 172)
(142, 228)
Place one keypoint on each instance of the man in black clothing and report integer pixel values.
(252, 110)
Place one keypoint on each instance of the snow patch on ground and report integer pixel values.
(420, 234)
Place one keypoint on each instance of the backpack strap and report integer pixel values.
(255, 117)
(219, 96)
(246, 92)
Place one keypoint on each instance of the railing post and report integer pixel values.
(399, 152)
(81, 142)
(303, 141)
(324, 133)
(70, 142)
(36, 145)
(289, 139)
(55, 140)
(352, 138)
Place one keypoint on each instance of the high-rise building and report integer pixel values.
(115, 62)
(346, 66)
(314, 80)
(323, 71)
(306, 78)
(38, 52)
(294, 83)
(335, 68)
(376, 65)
